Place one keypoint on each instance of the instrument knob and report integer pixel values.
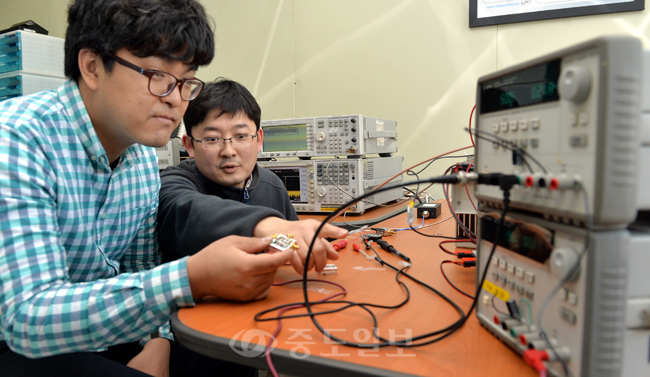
(575, 83)
(563, 260)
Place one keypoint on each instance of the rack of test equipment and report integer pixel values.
(324, 162)
(29, 63)
(564, 273)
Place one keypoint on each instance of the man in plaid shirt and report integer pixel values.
(80, 277)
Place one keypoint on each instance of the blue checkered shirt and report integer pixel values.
(78, 247)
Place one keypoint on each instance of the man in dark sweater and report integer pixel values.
(221, 190)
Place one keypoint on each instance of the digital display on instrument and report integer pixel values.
(285, 138)
(529, 86)
(530, 240)
(296, 182)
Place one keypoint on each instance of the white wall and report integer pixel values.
(414, 61)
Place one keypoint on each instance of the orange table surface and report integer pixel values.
(218, 328)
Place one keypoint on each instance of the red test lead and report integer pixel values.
(340, 245)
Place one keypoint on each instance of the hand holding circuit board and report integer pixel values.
(280, 242)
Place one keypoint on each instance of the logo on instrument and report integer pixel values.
(252, 343)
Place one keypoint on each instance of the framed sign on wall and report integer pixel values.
(494, 12)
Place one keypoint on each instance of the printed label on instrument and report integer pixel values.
(380, 127)
(495, 290)
(332, 209)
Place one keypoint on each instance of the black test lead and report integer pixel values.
(386, 246)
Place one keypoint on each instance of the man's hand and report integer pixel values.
(234, 268)
(303, 232)
(153, 359)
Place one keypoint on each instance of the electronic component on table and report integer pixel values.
(384, 231)
(281, 242)
(325, 185)
(330, 269)
(371, 237)
(428, 210)
(345, 135)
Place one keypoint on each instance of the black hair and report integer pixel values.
(226, 96)
(174, 30)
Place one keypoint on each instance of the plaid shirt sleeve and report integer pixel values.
(142, 256)
(68, 284)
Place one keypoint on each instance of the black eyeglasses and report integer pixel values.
(237, 141)
(161, 83)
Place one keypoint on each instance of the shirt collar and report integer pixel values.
(70, 97)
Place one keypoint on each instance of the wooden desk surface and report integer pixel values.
(212, 327)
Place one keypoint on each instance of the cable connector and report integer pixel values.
(469, 262)
(410, 213)
(384, 231)
(465, 255)
(465, 178)
(386, 246)
(536, 358)
(357, 248)
(513, 309)
(340, 245)
(504, 181)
